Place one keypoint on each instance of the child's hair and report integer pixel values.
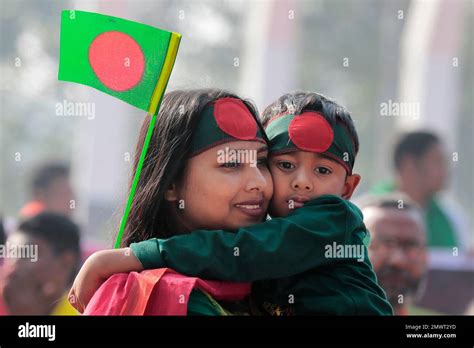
(165, 163)
(298, 102)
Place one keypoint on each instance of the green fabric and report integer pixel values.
(440, 231)
(342, 147)
(201, 304)
(208, 133)
(78, 31)
(289, 250)
(413, 310)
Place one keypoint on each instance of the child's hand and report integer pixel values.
(96, 270)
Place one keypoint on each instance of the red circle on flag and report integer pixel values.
(117, 60)
(233, 118)
(310, 131)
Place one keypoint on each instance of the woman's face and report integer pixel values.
(224, 192)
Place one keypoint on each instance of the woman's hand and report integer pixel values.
(96, 270)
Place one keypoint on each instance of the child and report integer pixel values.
(310, 258)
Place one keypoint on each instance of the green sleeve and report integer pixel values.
(277, 248)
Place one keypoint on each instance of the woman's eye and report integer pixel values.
(230, 165)
(323, 170)
(286, 165)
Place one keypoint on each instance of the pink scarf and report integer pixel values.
(157, 292)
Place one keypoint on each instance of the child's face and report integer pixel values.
(300, 176)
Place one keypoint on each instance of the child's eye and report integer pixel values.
(323, 170)
(230, 165)
(286, 165)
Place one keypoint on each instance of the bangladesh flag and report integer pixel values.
(128, 60)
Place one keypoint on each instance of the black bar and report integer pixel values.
(135, 331)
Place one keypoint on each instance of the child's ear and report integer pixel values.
(350, 185)
(171, 194)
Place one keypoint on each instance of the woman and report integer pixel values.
(205, 169)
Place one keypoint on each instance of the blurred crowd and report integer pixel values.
(420, 244)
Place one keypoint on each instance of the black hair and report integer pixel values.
(45, 174)
(61, 234)
(414, 144)
(298, 102)
(165, 163)
(57, 230)
(3, 236)
(392, 200)
(388, 200)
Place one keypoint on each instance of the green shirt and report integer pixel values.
(439, 228)
(289, 254)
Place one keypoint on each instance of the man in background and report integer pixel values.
(36, 280)
(421, 172)
(50, 190)
(397, 248)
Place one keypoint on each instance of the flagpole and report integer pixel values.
(153, 110)
(136, 178)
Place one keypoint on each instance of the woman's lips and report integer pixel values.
(253, 208)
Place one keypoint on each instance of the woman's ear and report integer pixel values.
(350, 185)
(171, 194)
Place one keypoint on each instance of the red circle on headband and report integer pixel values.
(234, 119)
(117, 60)
(310, 131)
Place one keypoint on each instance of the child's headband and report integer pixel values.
(310, 131)
(222, 121)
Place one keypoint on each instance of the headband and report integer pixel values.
(222, 121)
(310, 131)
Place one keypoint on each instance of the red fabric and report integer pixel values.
(117, 60)
(310, 131)
(3, 308)
(235, 119)
(31, 209)
(157, 292)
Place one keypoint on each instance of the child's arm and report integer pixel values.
(97, 268)
(277, 248)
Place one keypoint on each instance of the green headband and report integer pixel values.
(225, 120)
(310, 131)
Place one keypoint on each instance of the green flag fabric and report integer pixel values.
(116, 56)
(128, 60)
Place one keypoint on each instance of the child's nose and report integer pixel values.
(302, 182)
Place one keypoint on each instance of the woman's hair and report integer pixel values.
(165, 162)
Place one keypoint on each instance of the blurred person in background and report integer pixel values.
(3, 236)
(50, 190)
(397, 248)
(36, 282)
(421, 172)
